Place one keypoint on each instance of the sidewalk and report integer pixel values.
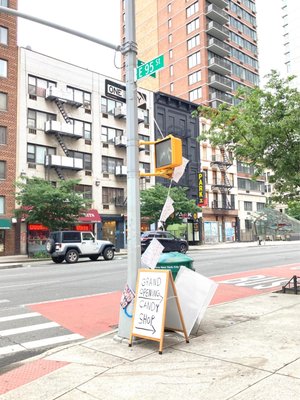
(18, 260)
(245, 349)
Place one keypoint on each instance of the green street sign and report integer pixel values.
(150, 67)
(140, 62)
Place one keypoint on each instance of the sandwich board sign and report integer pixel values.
(156, 303)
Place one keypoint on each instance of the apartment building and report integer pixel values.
(72, 124)
(209, 49)
(9, 229)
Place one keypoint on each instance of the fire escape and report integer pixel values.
(62, 129)
(221, 182)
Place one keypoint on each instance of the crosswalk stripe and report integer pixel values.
(50, 341)
(11, 349)
(29, 328)
(19, 316)
(4, 301)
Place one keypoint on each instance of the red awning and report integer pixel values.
(90, 216)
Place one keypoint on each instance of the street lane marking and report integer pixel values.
(54, 340)
(4, 301)
(29, 284)
(19, 316)
(30, 328)
(256, 281)
(11, 349)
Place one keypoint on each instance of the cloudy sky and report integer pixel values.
(101, 19)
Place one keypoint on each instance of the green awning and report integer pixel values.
(5, 223)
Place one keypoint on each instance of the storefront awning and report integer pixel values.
(5, 223)
(90, 216)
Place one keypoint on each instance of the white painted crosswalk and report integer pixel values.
(26, 331)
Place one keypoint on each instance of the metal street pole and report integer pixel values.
(133, 189)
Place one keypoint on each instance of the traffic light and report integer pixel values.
(167, 154)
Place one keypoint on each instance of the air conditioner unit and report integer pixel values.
(120, 112)
(121, 141)
(121, 170)
(141, 116)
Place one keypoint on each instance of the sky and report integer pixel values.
(101, 18)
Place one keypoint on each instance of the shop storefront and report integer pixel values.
(5, 225)
(113, 228)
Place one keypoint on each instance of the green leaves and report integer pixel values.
(262, 128)
(55, 207)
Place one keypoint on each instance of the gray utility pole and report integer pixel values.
(133, 194)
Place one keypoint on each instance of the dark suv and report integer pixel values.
(70, 245)
(169, 241)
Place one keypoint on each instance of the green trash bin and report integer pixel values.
(173, 261)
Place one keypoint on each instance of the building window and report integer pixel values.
(112, 195)
(3, 68)
(145, 138)
(144, 166)
(194, 59)
(245, 168)
(85, 157)
(36, 154)
(109, 164)
(248, 224)
(194, 77)
(170, 23)
(170, 54)
(82, 127)
(108, 105)
(2, 170)
(169, 7)
(171, 70)
(195, 94)
(3, 134)
(37, 86)
(4, 3)
(260, 206)
(171, 87)
(108, 134)
(80, 96)
(248, 205)
(85, 191)
(2, 205)
(37, 119)
(192, 26)
(3, 101)
(3, 35)
(170, 38)
(193, 42)
(192, 9)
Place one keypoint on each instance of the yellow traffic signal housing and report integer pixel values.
(167, 153)
(167, 156)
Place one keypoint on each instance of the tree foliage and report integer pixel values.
(153, 200)
(263, 128)
(55, 207)
(294, 209)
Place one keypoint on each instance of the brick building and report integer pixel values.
(9, 240)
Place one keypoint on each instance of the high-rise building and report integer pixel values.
(291, 38)
(8, 128)
(209, 47)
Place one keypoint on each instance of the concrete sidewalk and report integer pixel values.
(247, 349)
(20, 260)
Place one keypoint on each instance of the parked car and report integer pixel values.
(169, 241)
(70, 245)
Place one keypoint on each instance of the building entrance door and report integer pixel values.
(109, 231)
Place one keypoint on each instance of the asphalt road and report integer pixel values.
(45, 281)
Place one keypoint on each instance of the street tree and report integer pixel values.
(153, 200)
(56, 207)
(262, 128)
(293, 209)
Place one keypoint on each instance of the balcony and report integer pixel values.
(121, 170)
(221, 159)
(221, 183)
(53, 93)
(222, 97)
(219, 65)
(63, 129)
(220, 3)
(217, 14)
(53, 161)
(218, 47)
(121, 141)
(217, 30)
(220, 82)
(222, 205)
